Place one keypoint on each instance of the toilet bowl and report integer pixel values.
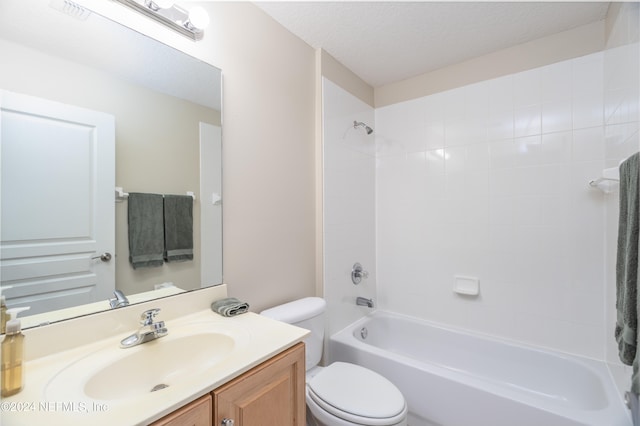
(345, 394)
(341, 394)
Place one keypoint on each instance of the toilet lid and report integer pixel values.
(356, 391)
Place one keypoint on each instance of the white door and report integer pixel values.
(56, 203)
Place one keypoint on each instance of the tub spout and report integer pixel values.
(362, 301)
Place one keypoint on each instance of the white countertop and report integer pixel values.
(261, 338)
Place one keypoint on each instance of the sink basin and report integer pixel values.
(159, 366)
(111, 373)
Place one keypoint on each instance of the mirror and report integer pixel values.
(166, 107)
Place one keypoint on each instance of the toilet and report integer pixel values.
(341, 394)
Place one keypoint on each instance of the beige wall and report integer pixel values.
(569, 44)
(268, 146)
(345, 78)
(268, 157)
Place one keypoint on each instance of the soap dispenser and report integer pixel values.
(12, 372)
(3, 310)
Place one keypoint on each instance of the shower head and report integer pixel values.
(357, 124)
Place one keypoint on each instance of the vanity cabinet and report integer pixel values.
(196, 413)
(272, 393)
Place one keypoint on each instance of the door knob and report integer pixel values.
(105, 257)
(227, 422)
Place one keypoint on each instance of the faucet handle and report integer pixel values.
(358, 273)
(119, 300)
(146, 318)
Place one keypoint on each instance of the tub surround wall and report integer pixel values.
(622, 120)
(327, 68)
(349, 204)
(490, 180)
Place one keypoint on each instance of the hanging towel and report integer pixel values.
(178, 228)
(626, 330)
(229, 307)
(146, 232)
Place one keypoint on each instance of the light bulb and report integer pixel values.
(198, 18)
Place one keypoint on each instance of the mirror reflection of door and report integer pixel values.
(58, 179)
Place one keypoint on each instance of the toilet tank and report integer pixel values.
(306, 313)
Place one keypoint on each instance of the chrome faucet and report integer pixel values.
(362, 301)
(119, 300)
(148, 331)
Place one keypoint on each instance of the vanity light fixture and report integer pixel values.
(190, 23)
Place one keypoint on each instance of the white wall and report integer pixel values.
(622, 120)
(349, 203)
(490, 180)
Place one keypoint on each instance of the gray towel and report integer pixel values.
(626, 330)
(146, 232)
(178, 228)
(229, 307)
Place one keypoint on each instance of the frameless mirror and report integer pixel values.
(64, 229)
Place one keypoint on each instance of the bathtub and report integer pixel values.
(453, 378)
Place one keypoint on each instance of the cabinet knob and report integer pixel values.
(227, 422)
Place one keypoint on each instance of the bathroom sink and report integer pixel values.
(158, 367)
(112, 373)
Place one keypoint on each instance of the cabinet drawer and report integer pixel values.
(196, 413)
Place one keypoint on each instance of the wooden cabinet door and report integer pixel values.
(197, 413)
(272, 394)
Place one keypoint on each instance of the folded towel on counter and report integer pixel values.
(178, 228)
(229, 307)
(626, 330)
(146, 230)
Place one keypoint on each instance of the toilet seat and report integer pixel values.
(357, 395)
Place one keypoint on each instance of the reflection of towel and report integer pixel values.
(178, 228)
(229, 307)
(626, 331)
(146, 233)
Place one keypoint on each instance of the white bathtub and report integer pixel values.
(452, 378)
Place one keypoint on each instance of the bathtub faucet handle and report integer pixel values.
(363, 301)
(358, 273)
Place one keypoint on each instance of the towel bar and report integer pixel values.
(122, 196)
(605, 182)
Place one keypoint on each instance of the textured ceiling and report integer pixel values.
(385, 42)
